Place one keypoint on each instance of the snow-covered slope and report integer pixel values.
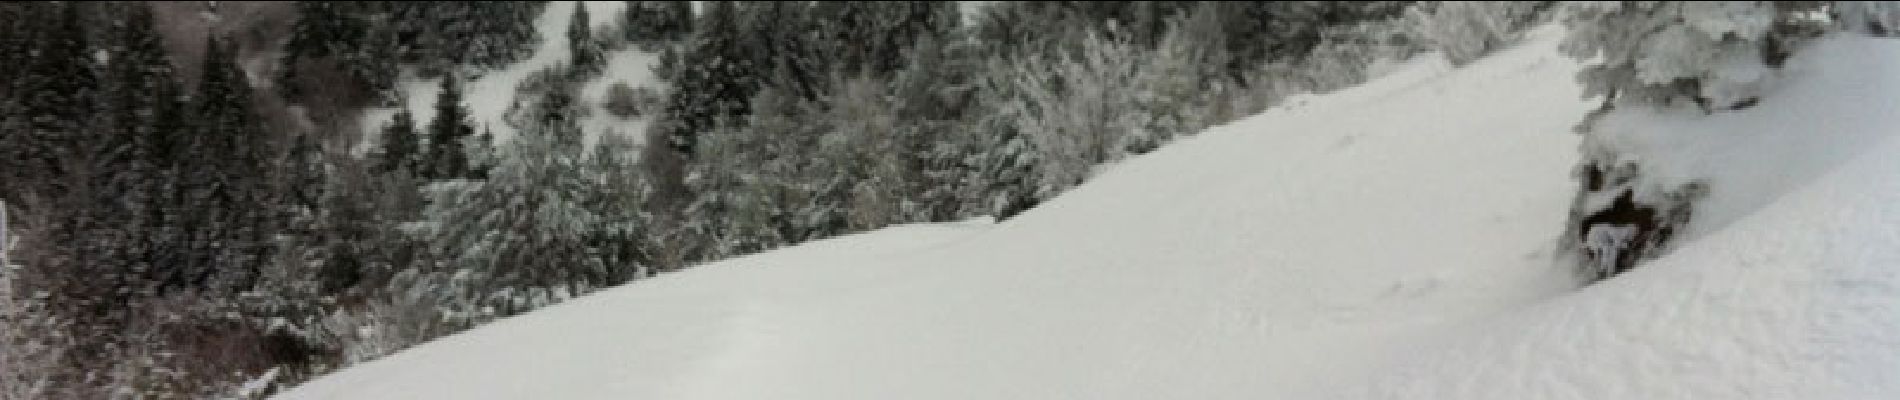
(1786, 287)
(1391, 240)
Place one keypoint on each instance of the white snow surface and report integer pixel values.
(1391, 240)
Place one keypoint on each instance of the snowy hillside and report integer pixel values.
(1399, 234)
(491, 94)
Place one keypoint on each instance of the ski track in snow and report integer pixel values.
(1391, 240)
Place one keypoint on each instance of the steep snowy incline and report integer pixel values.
(1275, 257)
(1788, 291)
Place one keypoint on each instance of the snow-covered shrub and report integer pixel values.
(620, 101)
(1646, 55)
(1466, 30)
(383, 326)
(865, 139)
(1076, 108)
(1183, 87)
(1717, 54)
(746, 181)
(1346, 55)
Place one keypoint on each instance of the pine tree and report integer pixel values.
(448, 133)
(57, 94)
(932, 95)
(482, 154)
(144, 110)
(772, 41)
(401, 150)
(489, 33)
(588, 57)
(17, 24)
(657, 21)
(873, 36)
(230, 175)
(324, 29)
(715, 80)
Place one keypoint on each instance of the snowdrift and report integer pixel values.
(1391, 240)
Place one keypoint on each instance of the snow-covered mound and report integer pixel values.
(1391, 240)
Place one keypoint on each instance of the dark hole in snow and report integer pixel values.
(1614, 238)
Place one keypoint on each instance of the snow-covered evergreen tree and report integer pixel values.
(656, 21)
(1074, 107)
(448, 133)
(232, 174)
(588, 58)
(57, 93)
(401, 145)
(714, 80)
(1716, 54)
(542, 227)
(1465, 30)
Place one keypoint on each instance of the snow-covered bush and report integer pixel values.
(1346, 55)
(1615, 223)
(1107, 99)
(620, 101)
(1076, 107)
(550, 221)
(1717, 54)
(1183, 87)
(1466, 30)
(383, 326)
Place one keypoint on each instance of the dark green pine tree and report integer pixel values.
(872, 36)
(481, 33)
(416, 30)
(144, 109)
(230, 172)
(774, 42)
(639, 21)
(17, 25)
(20, 22)
(304, 175)
(554, 116)
(144, 93)
(714, 79)
(485, 146)
(448, 134)
(589, 58)
(56, 98)
(401, 149)
(657, 20)
(323, 29)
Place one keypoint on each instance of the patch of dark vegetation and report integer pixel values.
(1612, 237)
